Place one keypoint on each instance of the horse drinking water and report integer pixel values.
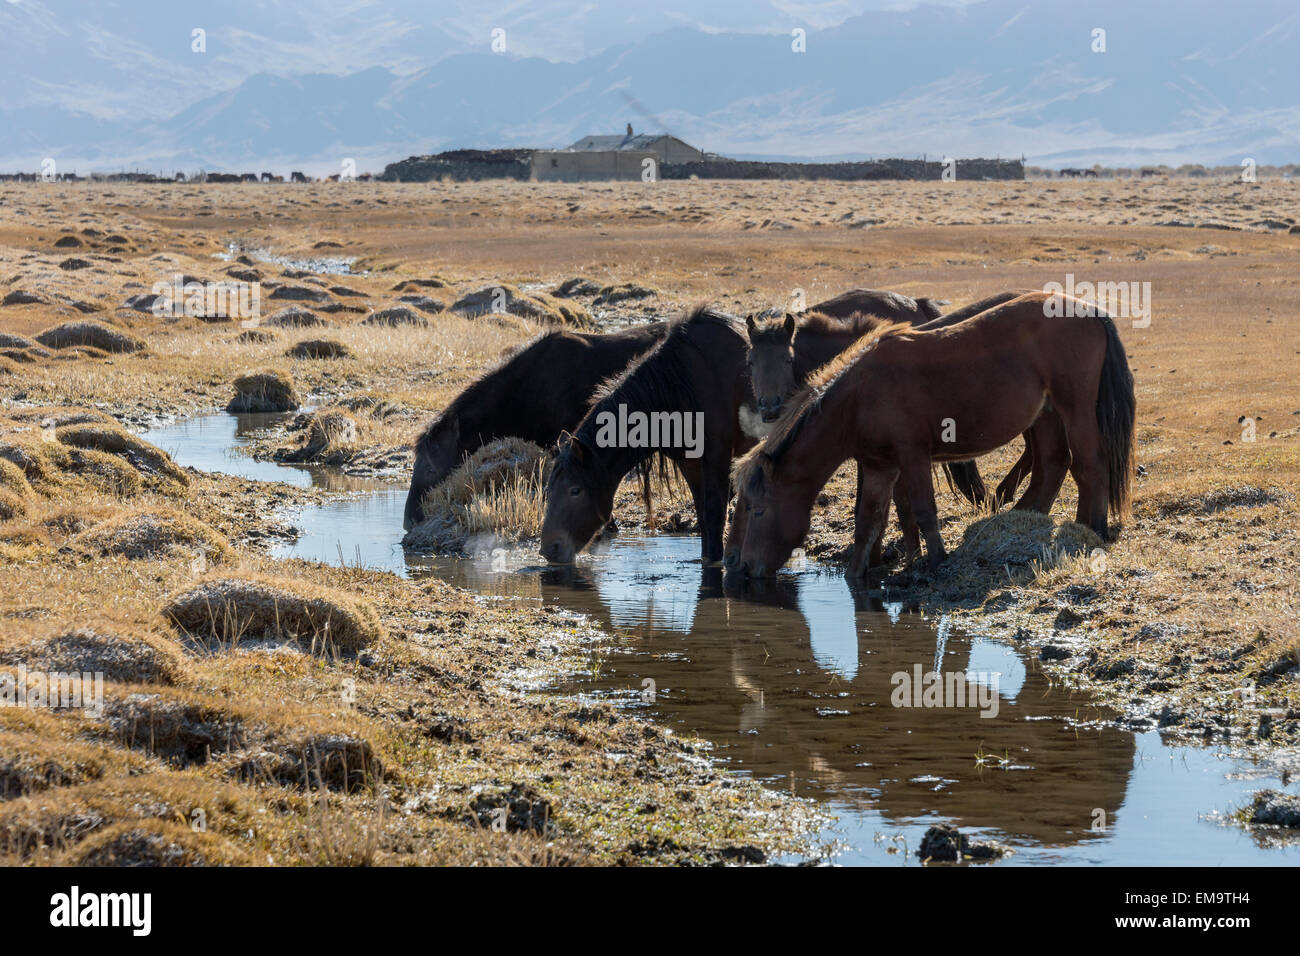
(697, 370)
(537, 392)
(886, 402)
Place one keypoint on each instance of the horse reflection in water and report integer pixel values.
(800, 675)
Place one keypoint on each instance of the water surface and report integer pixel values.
(795, 684)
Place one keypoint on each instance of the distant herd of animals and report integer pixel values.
(874, 376)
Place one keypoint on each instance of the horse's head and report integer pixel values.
(773, 523)
(735, 533)
(579, 500)
(771, 364)
(437, 454)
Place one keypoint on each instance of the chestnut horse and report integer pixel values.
(783, 356)
(540, 389)
(698, 370)
(890, 400)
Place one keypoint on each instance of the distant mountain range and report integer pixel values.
(1178, 82)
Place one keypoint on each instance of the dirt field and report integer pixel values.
(396, 734)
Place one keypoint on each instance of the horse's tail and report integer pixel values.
(964, 478)
(1117, 417)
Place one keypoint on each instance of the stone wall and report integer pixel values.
(462, 165)
(876, 169)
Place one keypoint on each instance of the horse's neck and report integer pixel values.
(615, 460)
(820, 447)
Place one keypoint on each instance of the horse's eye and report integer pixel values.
(575, 490)
(759, 512)
(790, 360)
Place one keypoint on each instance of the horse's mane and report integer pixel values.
(818, 323)
(661, 378)
(808, 402)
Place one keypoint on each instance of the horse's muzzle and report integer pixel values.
(557, 552)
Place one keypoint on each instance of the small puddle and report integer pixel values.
(320, 265)
(796, 685)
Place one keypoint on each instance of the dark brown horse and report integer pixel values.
(890, 400)
(541, 389)
(694, 385)
(880, 303)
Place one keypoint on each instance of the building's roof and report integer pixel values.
(639, 141)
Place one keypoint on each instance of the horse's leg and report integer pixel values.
(1051, 462)
(870, 518)
(861, 521)
(907, 525)
(1087, 464)
(919, 487)
(1023, 466)
(710, 491)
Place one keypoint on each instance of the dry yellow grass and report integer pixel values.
(230, 610)
(494, 497)
(152, 533)
(1195, 596)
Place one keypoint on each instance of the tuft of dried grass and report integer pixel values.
(503, 298)
(11, 505)
(496, 493)
(154, 843)
(265, 391)
(90, 333)
(124, 654)
(319, 349)
(113, 439)
(153, 533)
(228, 610)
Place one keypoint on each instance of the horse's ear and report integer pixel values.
(567, 442)
(564, 441)
(750, 323)
(789, 326)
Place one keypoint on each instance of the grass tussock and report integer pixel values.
(35, 762)
(319, 349)
(153, 843)
(495, 494)
(294, 317)
(330, 437)
(11, 505)
(112, 439)
(122, 653)
(60, 451)
(265, 391)
(506, 299)
(243, 739)
(88, 332)
(230, 610)
(153, 533)
(37, 829)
